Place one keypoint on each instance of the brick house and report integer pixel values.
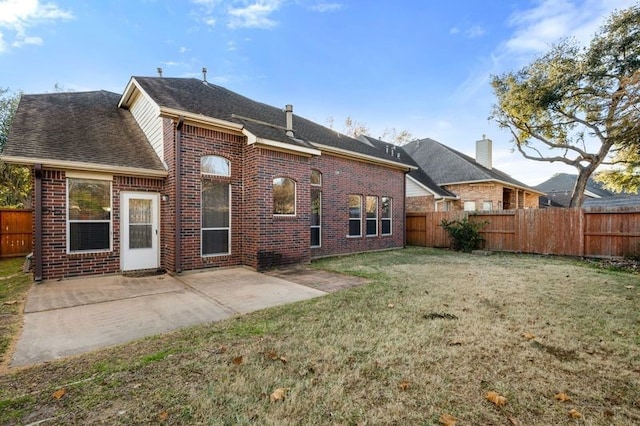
(181, 174)
(450, 180)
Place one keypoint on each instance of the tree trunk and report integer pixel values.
(577, 196)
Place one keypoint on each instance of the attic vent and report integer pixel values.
(204, 74)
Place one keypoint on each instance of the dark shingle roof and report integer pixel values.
(560, 186)
(85, 127)
(613, 201)
(418, 174)
(446, 165)
(195, 96)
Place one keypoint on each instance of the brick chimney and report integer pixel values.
(483, 152)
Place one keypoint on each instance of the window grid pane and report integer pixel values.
(385, 222)
(215, 218)
(89, 214)
(355, 215)
(316, 178)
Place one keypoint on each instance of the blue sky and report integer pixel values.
(418, 65)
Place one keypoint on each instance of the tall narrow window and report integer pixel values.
(355, 215)
(88, 215)
(385, 219)
(284, 196)
(316, 208)
(215, 218)
(372, 215)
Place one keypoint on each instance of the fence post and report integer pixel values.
(581, 221)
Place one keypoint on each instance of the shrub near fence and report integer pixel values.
(601, 232)
(16, 231)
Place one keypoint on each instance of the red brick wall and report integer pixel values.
(493, 192)
(421, 204)
(197, 142)
(272, 240)
(56, 263)
(341, 177)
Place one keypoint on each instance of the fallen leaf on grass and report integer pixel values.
(163, 416)
(10, 302)
(562, 397)
(496, 398)
(404, 384)
(528, 336)
(220, 350)
(59, 393)
(448, 420)
(514, 421)
(390, 305)
(237, 360)
(278, 395)
(575, 414)
(455, 343)
(629, 287)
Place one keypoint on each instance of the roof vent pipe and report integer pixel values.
(484, 152)
(159, 72)
(204, 74)
(288, 109)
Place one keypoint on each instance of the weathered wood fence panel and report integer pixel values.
(573, 232)
(16, 229)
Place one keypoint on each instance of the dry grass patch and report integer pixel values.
(433, 334)
(14, 285)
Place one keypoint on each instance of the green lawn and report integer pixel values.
(431, 335)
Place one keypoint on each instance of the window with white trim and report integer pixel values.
(316, 208)
(284, 196)
(215, 206)
(469, 206)
(215, 165)
(88, 215)
(215, 210)
(386, 215)
(355, 215)
(487, 205)
(372, 215)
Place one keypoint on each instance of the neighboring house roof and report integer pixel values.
(417, 174)
(613, 201)
(83, 130)
(560, 186)
(261, 120)
(446, 166)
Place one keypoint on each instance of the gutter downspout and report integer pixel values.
(404, 216)
(178, 195)
(439, 201)
(38, 225)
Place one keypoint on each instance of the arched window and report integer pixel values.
(215, 165)
(284, 196)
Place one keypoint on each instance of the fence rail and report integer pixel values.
(601, 232)
(16, 230)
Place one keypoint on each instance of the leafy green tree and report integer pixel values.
(579, 105)
(15, 180)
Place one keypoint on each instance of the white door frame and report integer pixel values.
(139, 258)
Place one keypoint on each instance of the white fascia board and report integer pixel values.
(88, 167)
(283, 146)
(363, 157)
(200, 120)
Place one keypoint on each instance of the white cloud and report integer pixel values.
(474, 31)
(255, 15)
(326, 7)
(231, 46)
(18, 16)
(183, 49)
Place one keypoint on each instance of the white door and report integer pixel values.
(139, 227)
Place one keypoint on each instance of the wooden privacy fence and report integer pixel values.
(602, 232)
(16, 229)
